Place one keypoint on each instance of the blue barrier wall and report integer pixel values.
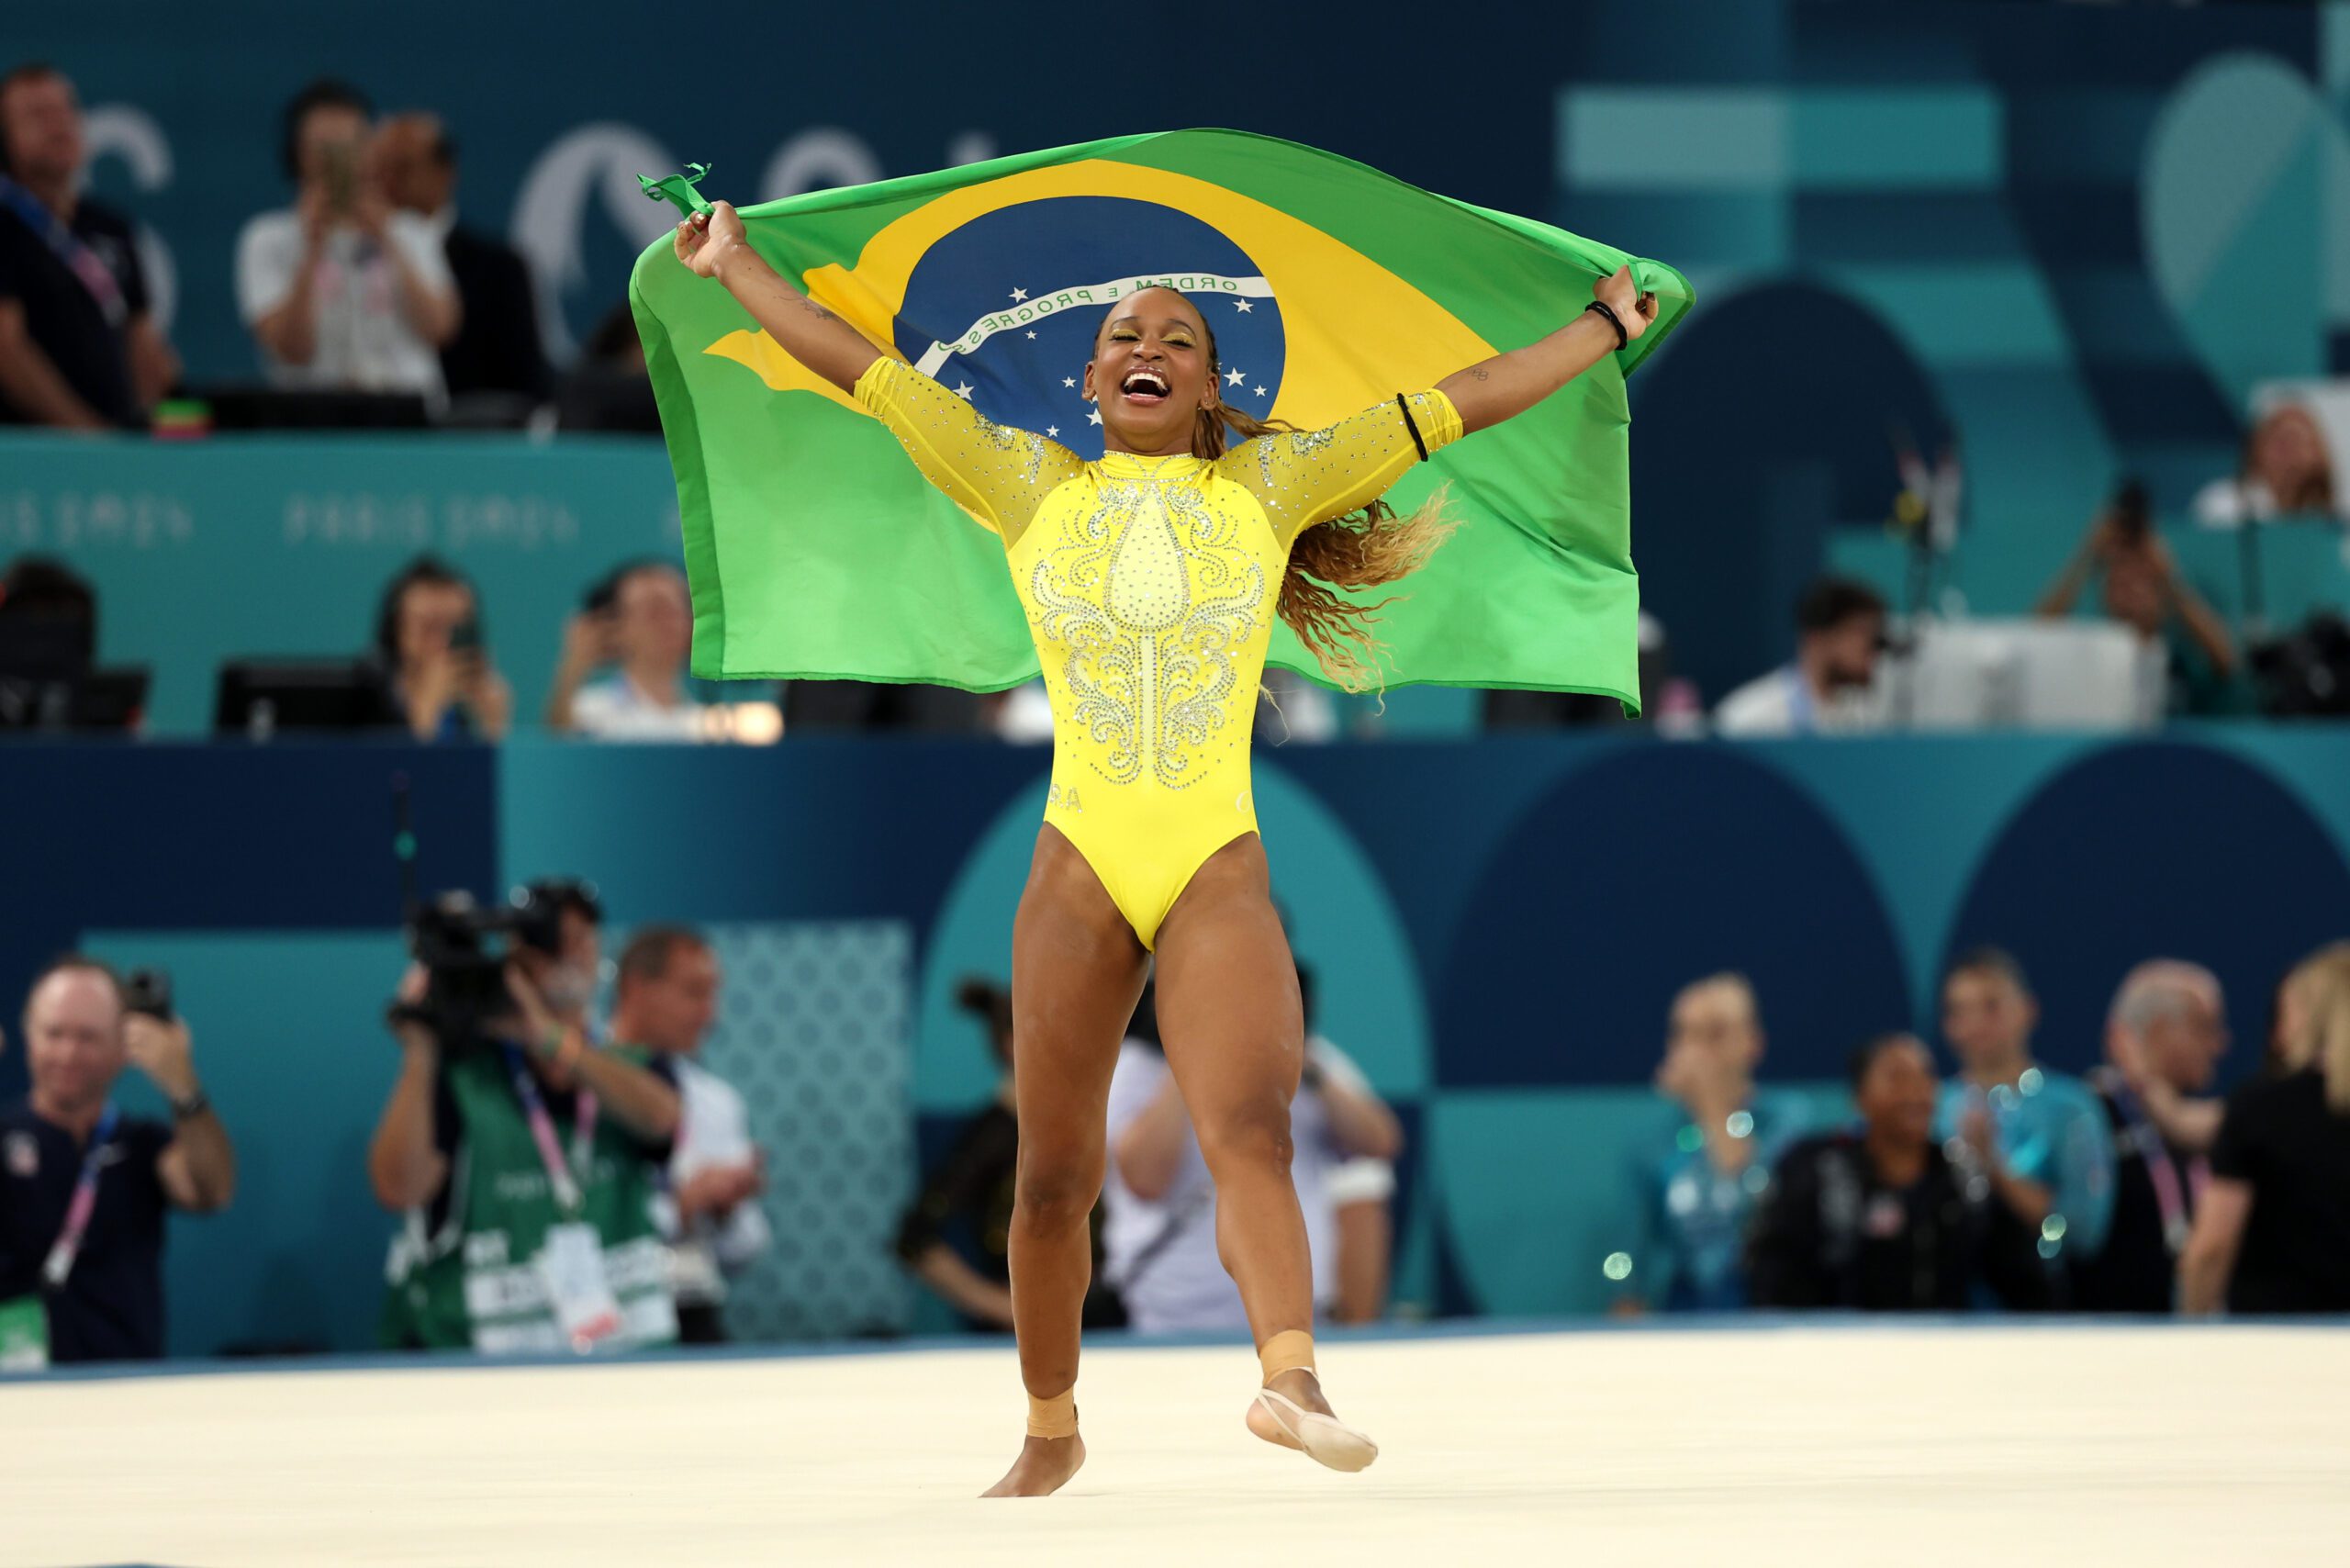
(1498, 929)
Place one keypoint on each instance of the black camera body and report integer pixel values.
(465, 948)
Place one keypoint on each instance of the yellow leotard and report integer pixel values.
(1149, 585)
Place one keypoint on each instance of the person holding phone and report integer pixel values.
(434, 674)
(2143, 589)
(342, 290)
(83, 1187)
(641, 620)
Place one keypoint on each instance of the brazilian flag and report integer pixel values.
(816, 550)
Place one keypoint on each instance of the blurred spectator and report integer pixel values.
(1699, 1189)
(1881, 1220)
(79, 347)
(82, 1188)
(642, 619)
(496, 350)
(2273, 1232)
(524, 1155)
(1831, 687)
(608, 389)
(342, 290)
(2286, 471)
(2162, 1043)
(1158, 1233)
(2145, 591)
(2038, 1137)
(972, 1188)
(1366, 1138)
(435, 675)
(667, 1000)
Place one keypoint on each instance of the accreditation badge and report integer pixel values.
(24, 1335)
(572, 1264)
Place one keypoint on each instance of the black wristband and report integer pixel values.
(195, 1106)
(1623, 339)
(1412, 425)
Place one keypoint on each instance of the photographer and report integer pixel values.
(342, 290)
(2145, 591)
(82, 1188)
(523, 1153)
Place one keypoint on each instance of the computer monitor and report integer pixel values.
(265, 697)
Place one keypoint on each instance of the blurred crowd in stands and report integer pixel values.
(570, 1179)
(372, 302)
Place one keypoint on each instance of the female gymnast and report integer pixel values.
(1149, 579)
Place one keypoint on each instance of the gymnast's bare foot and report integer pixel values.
(1042, 1468)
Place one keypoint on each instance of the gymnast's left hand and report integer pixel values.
(1620, 294)
(702, 241)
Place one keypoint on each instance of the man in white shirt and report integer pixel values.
(642, 620)
(1831, 689)
(706, 1209)
(1159, 1230)
(342, 290)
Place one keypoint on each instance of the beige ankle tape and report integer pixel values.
(1288, 1350)
(1053, 1418)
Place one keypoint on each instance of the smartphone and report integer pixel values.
(465, 638)
(341, 176)
(148, 991)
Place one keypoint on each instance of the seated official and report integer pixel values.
(84, 1189)
(1879, 1219)
(524, 1157)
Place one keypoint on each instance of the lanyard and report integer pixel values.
(67, 247)
(78, 1209)
(2162, 1170)
(583, 1133)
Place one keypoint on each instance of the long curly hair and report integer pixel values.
(1361, 549)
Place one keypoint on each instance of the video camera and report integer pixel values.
(464, 946)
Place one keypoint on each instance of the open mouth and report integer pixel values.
(1145, 386)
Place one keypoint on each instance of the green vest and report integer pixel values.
(476, 1282)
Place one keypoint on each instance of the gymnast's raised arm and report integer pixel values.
(714, 244)
(1509, 384)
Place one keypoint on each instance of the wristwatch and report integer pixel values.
(196, 1105)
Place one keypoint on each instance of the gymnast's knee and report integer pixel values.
(1250, 1136)
(1054, 1192)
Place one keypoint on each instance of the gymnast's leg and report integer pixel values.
(1235, 1032)
(1077, 971)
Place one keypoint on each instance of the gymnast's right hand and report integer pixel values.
(704, 238)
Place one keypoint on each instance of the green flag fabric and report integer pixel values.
(815, 550)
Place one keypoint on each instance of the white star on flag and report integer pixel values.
(964, 391)
(1032, 337)
(1259, 391)
(1244, 306)
(1018, 294)
(1052, 430)
(1234, 377)
(1069, 380)
(1093, 418)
